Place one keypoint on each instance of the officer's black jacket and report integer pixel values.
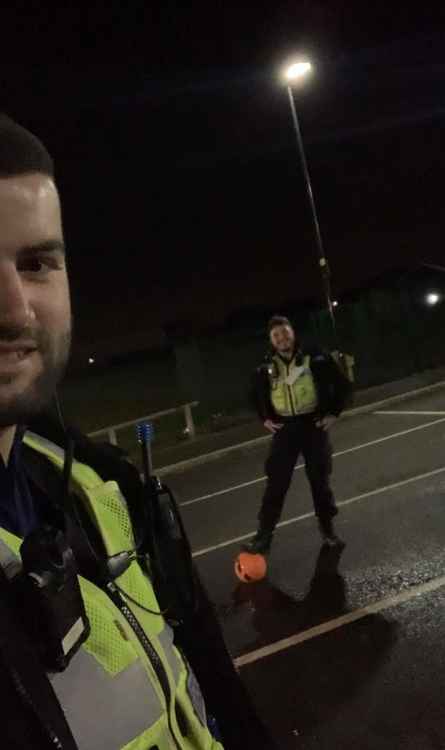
(33, 717)
(334, 390)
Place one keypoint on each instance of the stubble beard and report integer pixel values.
(36, 397)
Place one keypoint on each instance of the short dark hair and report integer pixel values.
(21, 152)
(278, 320)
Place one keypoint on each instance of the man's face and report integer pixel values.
(282, 339)
(35, 313)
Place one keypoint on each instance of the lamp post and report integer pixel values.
(432, 299)
(294, 75)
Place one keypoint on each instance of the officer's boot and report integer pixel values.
(261, 542)
(330, 538)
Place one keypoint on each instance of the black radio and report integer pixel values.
(49, 596)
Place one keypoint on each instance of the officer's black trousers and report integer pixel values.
(299, 435)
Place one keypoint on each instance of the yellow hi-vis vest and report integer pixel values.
(111, 694)
(293, 390)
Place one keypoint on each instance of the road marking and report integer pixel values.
(227, 489)
(372, 405)
(411, 413)
(301, 466)
(342, 503)
(339, 622)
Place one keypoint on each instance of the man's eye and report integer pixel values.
(35, 265)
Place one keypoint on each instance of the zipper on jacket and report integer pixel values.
(26, 698)
(151, 652)
(291, 401)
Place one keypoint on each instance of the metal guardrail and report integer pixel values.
(111, 431)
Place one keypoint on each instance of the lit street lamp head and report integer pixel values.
(432, 298)
(297, 71)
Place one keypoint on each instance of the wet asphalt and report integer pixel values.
(377, 682)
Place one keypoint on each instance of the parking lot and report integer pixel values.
(338, 650)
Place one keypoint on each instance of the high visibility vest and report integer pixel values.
(120, 693)
(293, 390)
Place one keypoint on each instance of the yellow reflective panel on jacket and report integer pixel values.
(292, 387)
(111, 693)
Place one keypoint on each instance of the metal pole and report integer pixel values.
(112, 436)
(322, 260)
(189, 423)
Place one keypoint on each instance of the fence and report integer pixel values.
(111, 431)
(392, 333)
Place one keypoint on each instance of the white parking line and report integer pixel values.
(349, 501)
(301, 466)
(339, 622)
(364, 409)
(411, 413)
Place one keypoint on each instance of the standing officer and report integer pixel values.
(298, 395)
(89, 657)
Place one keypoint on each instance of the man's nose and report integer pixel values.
(15, 310)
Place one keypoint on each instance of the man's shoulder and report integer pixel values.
(104, 457)
(316, 353)
(265, 363)
(108, 461)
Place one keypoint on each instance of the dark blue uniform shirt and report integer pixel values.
(22, 507)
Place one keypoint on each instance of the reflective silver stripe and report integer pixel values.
(9, 561)
(104, 712)
(46, 444)
(196, 697)
(177, 663)
(166, 640)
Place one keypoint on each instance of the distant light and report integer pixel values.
(335, 303)
(91, 361)
(298, 70)
(432, 298)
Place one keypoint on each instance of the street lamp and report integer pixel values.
(298, 70)
(432, 298)
(294, 75)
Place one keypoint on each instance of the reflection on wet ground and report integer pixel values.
(272, 614)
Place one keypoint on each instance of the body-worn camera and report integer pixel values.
(49, 595)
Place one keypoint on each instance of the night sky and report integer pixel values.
(183, 196)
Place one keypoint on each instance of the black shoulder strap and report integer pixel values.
(87, 547)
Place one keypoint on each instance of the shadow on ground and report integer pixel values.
(303, 688)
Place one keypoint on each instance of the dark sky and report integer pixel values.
(183, 196)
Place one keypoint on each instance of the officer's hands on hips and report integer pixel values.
(326, 422)
(273, 427)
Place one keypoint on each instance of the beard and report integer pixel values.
(24, 406)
